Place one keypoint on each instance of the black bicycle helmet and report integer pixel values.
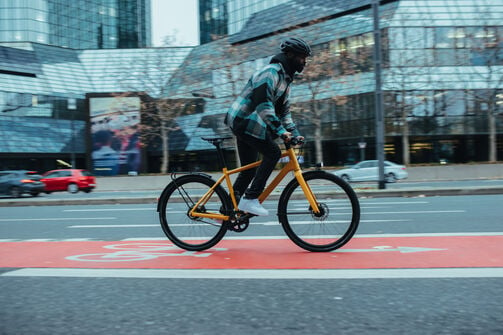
(296, 45)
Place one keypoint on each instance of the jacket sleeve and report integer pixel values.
(263, 97)
(283, 111)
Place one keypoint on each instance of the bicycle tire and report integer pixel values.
(334, 226)
(175, 202)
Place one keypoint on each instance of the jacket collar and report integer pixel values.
(285, 65)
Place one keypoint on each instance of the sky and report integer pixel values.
(178, 18)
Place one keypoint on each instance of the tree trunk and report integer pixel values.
(405, 139)
(165, 149)
(492, 136)
(317, 142)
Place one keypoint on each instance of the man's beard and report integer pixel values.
(298, 66)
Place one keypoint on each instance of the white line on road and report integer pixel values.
(115, 226)
(110, 209)
(58, 219)
(154, 209)
(261, 274)
(283, 237)
(272, 237)
(394, 202)
(273, 223)
(417, 212)
(267, 223)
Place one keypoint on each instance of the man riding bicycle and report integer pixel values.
(261, 114)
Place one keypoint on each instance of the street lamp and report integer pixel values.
(378, 95)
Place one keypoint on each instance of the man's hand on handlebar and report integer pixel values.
(287, 138)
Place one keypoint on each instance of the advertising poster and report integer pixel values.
(115, 135)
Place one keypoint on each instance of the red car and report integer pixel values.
(71, 180)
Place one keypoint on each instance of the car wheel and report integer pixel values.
(390, 178)
(72, 188)
(15, 192)
(346, 178)
(34, 194)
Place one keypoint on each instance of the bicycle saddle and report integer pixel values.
(216, 140)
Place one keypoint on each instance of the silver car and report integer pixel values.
(369, 171)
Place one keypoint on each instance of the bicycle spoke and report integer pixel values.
(329, 229)
(180, 225)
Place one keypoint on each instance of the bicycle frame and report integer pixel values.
(292, 165)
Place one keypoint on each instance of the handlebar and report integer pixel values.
(293, 142)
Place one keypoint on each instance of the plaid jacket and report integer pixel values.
(263, 105)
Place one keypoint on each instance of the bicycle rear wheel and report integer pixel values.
(176, 202)
(338, 218)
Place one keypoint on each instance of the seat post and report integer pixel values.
(217, 142)
(221, 158)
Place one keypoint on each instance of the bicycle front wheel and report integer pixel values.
(337, 220)
(177, 201)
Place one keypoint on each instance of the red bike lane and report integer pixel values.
(359, 253)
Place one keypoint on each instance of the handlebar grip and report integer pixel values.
(293, 142)
(296, 141)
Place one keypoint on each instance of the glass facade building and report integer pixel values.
(442, 76)
(44, 104)
(442, 81)
(220, 18)
(77, 24)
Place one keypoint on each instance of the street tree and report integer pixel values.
(149, 74)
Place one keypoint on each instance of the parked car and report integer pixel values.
(369, 171)
(71, 180)
(17, 182)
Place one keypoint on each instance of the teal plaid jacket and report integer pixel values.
(263, 105)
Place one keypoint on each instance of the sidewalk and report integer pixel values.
(154, 184)
(419, 173)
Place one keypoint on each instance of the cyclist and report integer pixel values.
(261, 114)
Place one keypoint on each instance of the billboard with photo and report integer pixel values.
(115, 135)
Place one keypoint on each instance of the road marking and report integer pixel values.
(360, 253)
(53, 240)
(110, 209)
(267, 223)
(417, 212)
(58, 219)
(260, 274)
(115, 226)
(280, 237)
(283, 237)
(272, 223)
(394, 202)
(154, 209)
(387, 249)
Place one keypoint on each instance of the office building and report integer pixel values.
(442, 70)
(77, 24)
(220, 18)
(441, 78)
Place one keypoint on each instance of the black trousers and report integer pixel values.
(249, 148)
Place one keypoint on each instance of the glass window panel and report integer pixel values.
(444, 37)
(444, 57)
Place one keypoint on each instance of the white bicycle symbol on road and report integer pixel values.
(129, 252)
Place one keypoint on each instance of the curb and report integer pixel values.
(361, 193)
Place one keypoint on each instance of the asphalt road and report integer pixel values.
(449, 280)
(449, 214)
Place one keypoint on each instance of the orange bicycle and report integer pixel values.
(317, 210)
